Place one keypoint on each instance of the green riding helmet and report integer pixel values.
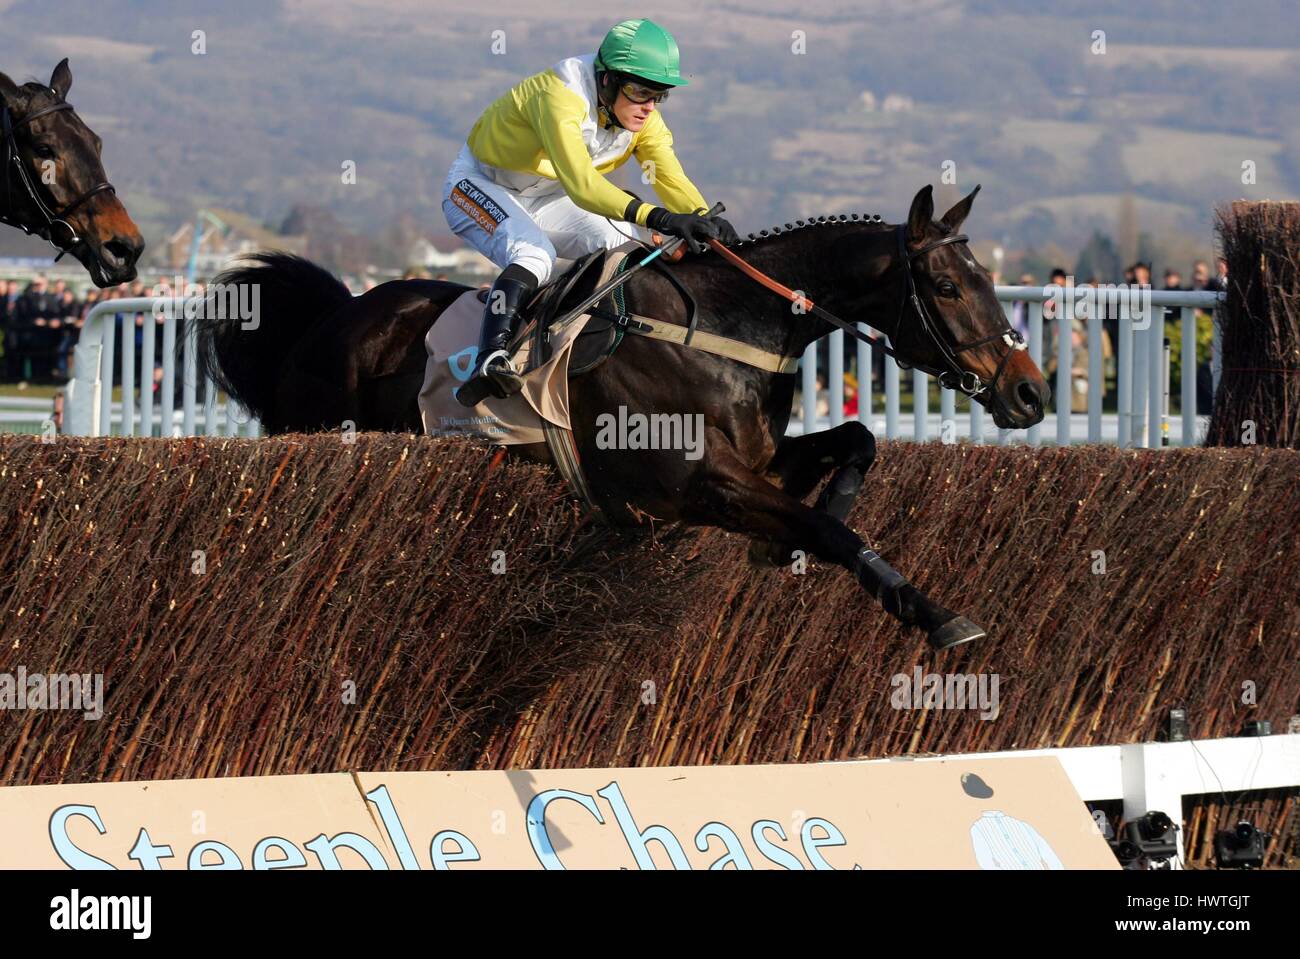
(643, 49)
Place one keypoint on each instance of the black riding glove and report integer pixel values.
(727, 235)
(696, 230)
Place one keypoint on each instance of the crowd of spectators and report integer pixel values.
(41, 324)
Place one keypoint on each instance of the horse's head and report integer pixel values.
(951, 322)
(54, 183)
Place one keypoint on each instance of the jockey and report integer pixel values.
(528, 185)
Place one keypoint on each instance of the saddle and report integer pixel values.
(609, 320)
(548, 348)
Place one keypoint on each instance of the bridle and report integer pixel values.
(56, 221)
(954, 377)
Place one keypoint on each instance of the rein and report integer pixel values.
(53, 218)
(954, 377)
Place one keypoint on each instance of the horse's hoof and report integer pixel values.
(762, 554)
(956, 631)
(770, 554)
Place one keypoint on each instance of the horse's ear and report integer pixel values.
(61, 79)
(955, 217)
(922, 212)
(8, 89)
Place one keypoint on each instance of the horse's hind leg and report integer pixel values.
(727, 494)
(801, 462)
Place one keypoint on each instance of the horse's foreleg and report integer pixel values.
(801, 462)
(728, 495)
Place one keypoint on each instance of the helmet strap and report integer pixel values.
(607, 84)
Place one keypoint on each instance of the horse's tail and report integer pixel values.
(244, 357)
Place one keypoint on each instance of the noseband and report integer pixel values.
(55, 220)
(954, 377)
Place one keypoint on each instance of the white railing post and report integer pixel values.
(1188, 318)
(808, 367)
(97, 395)
(835, 378)
(128, 374)
(920, 405)
(111, 323)
(1155, 378)
(1216, 352)
(168, 399)
(1036, 354)
(1141, 369)
(864, 377)
(146, 373)
(1064, 365)
(82, 397)
(1096, 376)
(1124, 359)
(891, 397)
(189, 377)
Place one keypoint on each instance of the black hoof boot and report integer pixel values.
(840, 493)
(956, 631)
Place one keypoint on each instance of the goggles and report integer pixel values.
(642, 93)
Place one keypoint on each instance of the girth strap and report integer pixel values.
(560, 441)
(705, 342)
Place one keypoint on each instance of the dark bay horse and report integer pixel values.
(319, 357)
(53, 182)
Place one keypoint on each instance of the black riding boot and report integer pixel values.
(493, 373)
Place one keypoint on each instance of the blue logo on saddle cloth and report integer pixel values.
(482, 209)
(461, 363)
